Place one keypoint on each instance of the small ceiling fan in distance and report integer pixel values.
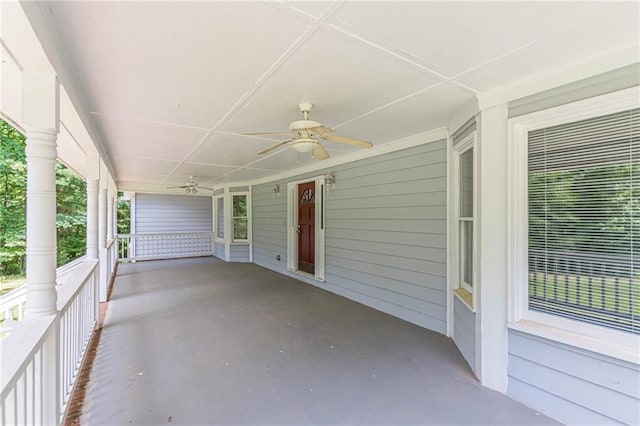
(191, 187)
(306, 135)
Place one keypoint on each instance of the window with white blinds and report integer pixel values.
(584, 217)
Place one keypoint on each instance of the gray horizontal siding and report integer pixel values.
(239, 252)
(385, 232)
(156, 213)
(601, 84)
(219, 250)
(572, 385)
(464, 331)
(172, 214)
(239, 189)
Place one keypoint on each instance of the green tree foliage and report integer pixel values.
(124, 214)
(595, 209)
(13, 186)
(71, 206)
(71, 217)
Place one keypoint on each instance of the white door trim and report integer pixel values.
(292, 222)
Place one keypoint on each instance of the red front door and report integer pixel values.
(306, 226)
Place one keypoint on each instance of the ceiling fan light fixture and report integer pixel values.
(304, 144)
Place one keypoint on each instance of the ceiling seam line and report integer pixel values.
(401, 58)
(73, 137)
(11, 55)
(144, 120)
(262, 80)
(385, 50)
(530, 43)
(404, 98)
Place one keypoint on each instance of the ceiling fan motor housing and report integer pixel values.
(302, 125)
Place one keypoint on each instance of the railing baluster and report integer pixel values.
(32, 393)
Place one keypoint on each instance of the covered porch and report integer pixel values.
(202, 341)
(455, 235)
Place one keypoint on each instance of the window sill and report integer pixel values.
(611, 343)
(465, 297)
(240, 243)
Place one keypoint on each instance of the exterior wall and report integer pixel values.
(464, 331)
(385, 233)
(239, 252)
(219, 250)
(157, 213)
(464, 318)
(172, 214)
(573, 385)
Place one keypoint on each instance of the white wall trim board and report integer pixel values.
(491, 289)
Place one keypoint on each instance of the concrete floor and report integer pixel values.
(200, 341)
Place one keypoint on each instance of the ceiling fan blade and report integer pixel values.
(205, 187)
(321, 129)
(176, 187)
(320, 153)
(272, 147)
(266, 133)
(347, 140)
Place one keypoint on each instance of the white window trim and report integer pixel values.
(594, 338)
(320, 222)
(215, 217)
(244, 240)
(469, 142)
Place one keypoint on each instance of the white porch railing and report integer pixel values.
(42, 356)
(13, 303)
(78, 308)
(133, 247)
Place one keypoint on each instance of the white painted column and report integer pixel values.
(41, 118)
(92, 218)
(41, 222)
(102, 218)
(491, 311)
(40, 115)
(102, 242)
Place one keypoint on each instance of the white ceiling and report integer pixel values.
(169, 86)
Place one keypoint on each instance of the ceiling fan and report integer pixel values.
(306, 135)
(191, 187)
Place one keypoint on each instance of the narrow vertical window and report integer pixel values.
(239, 213)
(220, 217)
(465, 219)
